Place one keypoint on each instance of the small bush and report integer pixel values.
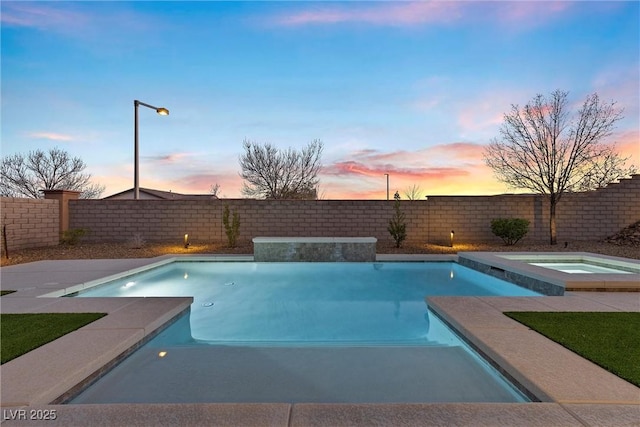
(232, 229)
(72, 236)
(510, 230)
(137, 241)
(397, 226)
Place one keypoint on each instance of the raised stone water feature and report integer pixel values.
(314, 249)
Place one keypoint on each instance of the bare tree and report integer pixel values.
(27, 176)
(413, 193)
(274, 174)
(544, 148)
(610, 168)
(214, 190)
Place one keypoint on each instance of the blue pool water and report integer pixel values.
(311, 302)
(305, 332)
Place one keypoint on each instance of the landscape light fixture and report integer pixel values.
(451, 238)
(136, 172)
(387, 185)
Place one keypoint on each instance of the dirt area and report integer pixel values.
(149, 250)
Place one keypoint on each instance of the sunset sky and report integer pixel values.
(412, 89)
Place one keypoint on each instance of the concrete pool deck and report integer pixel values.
(572, 390)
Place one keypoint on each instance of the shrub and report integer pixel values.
(232, 229)
(397, 226)
(137, 241)
(72, 236)
(510, 230)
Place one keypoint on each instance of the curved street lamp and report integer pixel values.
(136, 172)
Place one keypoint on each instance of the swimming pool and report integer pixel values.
(299, 332)
(309, 302)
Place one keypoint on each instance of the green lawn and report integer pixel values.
(22, 333)
(611, 340)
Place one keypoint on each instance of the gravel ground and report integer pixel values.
(149, 250)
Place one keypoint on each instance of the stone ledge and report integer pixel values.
(314, 249)
(314, 240)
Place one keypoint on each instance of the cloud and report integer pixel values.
(51, 136)
(376, 156)
(445, 169)
(169, 158)
(459, 150)
(477, 117)
(230, 183)
(41, 16)
(628, 145)
(120, 178)
(451, 168)
(452, 153)
(530, 13)
(514, 14)
(390, 14)
(620, 83)
(356, 168)
(109, 26)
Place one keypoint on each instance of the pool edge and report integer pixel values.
(569, 412)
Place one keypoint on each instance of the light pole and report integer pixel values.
(136, 172)
(387, 185)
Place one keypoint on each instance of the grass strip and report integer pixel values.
(609, 339)
(22, 333)
(5, 292)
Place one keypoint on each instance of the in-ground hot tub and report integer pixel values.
(551, 273)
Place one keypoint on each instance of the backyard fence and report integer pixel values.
(592, 215)
(29, 223)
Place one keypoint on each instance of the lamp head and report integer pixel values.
(162, 111)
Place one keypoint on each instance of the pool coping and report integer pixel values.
(573, 390)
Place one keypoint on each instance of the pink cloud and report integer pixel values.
(80, 20)
(40, 16)
(348, 168)
(51, 135)
(475, 120)
(459, 150)
(369, 183)
(448, 168)
(230, 184)
(628, 145)
(516, 14)
(379, 156)
(342, 180)
(530, 12)
(620, 84)
(410, 13)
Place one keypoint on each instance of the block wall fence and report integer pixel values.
(29, 223)
(590, 215)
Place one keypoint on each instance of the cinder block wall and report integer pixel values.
(599, 213)
(30, 222)
(581, 216)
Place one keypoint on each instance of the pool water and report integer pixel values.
(311, 302)
(305, 332)
(579, 268)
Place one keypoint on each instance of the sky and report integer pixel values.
(415, 90)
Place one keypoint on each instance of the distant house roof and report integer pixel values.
(151, 194)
